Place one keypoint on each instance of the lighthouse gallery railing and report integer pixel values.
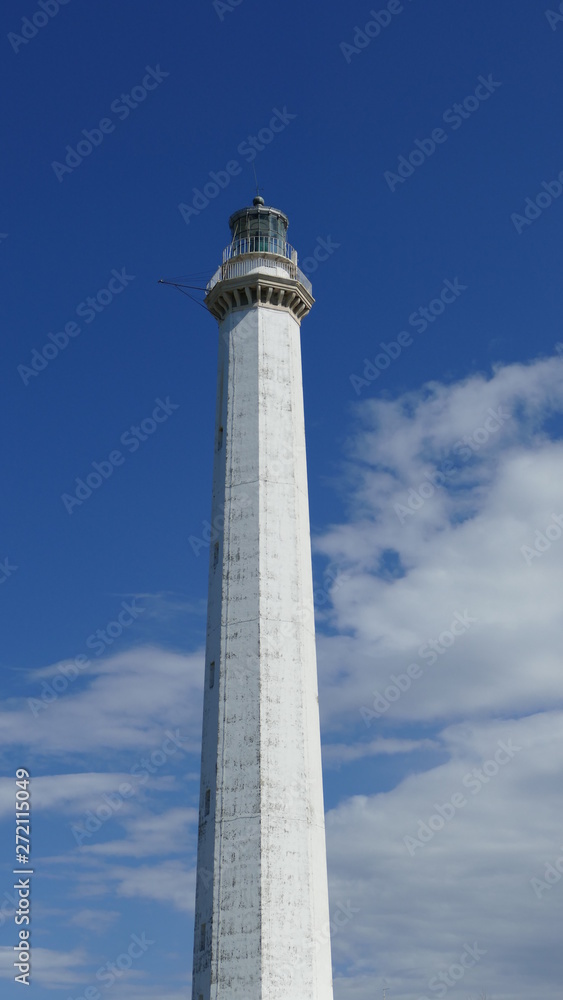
(266, 252)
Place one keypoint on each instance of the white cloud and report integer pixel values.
(335, 754)
(73, 795)
(170, 882)
(458, 553)
(167, 882)
(50, 968)
(165, 606)
(138, 991)
(167, 833)
(123, 702)
(471, 881)
(97, 921)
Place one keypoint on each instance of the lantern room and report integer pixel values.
(259, 229)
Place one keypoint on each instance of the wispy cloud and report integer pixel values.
(336, 754)
(148, 835)
(51, 968)
(122, 702)
(166, 605)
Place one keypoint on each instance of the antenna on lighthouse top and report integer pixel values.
(258, 200)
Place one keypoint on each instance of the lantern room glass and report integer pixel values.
(259, 230)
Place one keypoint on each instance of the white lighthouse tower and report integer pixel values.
(262, 919)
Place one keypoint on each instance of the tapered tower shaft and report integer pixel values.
(261, 922)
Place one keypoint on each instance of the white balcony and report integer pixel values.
(247, 255)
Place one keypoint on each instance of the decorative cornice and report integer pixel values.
(259, 289)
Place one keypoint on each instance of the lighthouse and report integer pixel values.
(261, 916)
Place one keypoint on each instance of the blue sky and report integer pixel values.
(432, 365)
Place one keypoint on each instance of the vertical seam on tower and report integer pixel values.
(223, 629)
(259, 358)
(295, 356)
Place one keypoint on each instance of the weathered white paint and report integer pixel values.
(262, 880)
